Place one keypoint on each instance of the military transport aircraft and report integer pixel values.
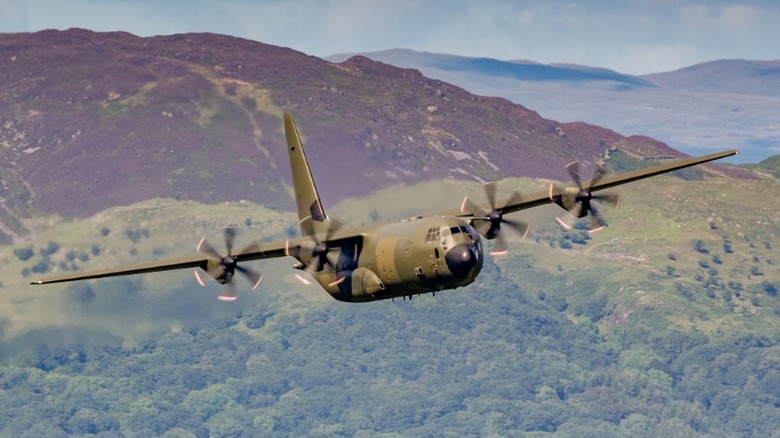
(399, 259)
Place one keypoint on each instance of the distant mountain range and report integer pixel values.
(719, 104)
(92, 120)
(522, 70)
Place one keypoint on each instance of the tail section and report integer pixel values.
(313, 219)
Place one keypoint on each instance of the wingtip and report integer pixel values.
(291, 131)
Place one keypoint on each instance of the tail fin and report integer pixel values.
(313, 219)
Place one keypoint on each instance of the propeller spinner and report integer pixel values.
(223, 268)
(488, 223)
(579, 204)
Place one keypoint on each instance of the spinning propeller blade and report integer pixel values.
(488, 223)
(580, 204)
(321, 252)
(223, 268)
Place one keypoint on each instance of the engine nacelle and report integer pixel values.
(566, 198)
(365, 282)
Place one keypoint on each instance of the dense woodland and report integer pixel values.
(492, 359)
(666, 327)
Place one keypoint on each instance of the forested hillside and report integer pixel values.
(664, 324)
(491, 360)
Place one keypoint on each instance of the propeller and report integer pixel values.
(488, 223)
(580, 204)
(223, 268)
(321, 255)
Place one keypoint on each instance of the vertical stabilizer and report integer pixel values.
(312, 216)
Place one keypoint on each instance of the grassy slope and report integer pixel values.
(173, 229)
(642, 269)
(654, 229)
(501, 347)
(769, 166)
(644, 263)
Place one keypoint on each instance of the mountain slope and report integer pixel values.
(91, 120)
(663, 324)
(770, 166)
(717, 105)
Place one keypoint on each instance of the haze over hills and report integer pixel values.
(715, 105)
(91, 120)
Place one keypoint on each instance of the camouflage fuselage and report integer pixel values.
(399, 259)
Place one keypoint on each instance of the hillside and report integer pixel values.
(92, 120)
(715, 105)
(770, 166)
(663, 324)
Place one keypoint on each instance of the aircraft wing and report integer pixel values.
(627, 177)
(254, 251)
(542, 198)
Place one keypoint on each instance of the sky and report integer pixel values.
(629, 36)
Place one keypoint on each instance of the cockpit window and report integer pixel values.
(433, 235)
(465, 230)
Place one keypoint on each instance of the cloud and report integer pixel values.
(654, 58)
(13, 16)
(729, 20)
(627, 36)
(740, 19)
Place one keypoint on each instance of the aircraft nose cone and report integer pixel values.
(461, 260)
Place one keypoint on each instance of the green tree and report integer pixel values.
(178, 432)
(24, 254)
(769, 288)
(204, 403)
(700, 247)
(49, 249)
(88, 421)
